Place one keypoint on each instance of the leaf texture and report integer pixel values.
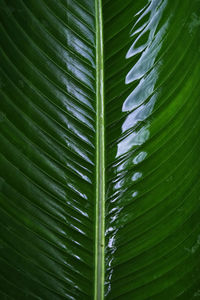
(50, 125)
(47, 149)
(152, 101)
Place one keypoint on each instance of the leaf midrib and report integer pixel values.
(100, 159)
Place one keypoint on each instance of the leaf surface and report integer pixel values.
(99, 149)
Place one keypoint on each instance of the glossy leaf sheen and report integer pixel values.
(55, 208)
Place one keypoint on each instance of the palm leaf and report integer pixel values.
(99, 151)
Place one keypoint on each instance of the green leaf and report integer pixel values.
(99, 149)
